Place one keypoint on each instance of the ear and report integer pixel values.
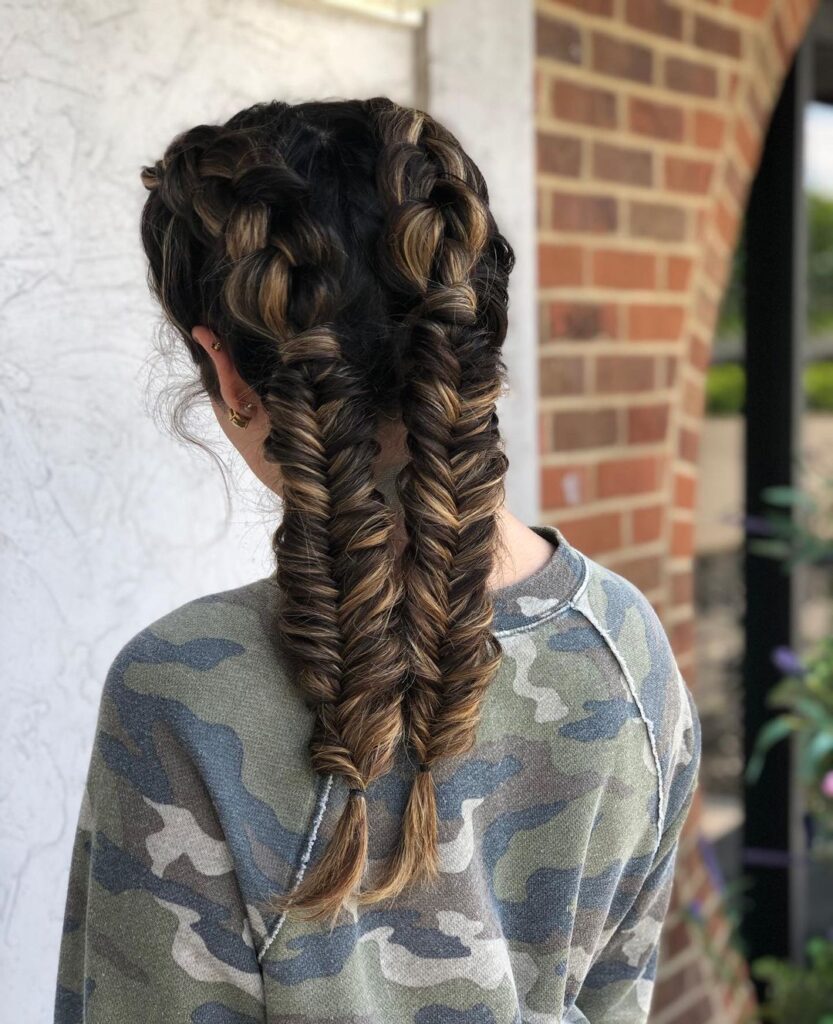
(234, 390)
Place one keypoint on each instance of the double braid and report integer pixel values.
(441, 247)
(334, 551)
(385, 288)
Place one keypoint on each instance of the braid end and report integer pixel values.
(334, 879)
(416, 856)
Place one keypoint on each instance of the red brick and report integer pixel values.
(716, 36)
(559, 265)
(583, 104)
(759, 107)
(621, 58)
(603, 7)
(659, 221)
(699, 352)
(688, 446)
(675, 938)
(585, 428)
(727, 225)
(628, 476)
(594, 534)
(780, 36)
(693, 397)
(682, 980)
(685, 490)
(736, 185)
(753, 8)
(561, 375)
(687, 76)
(563, 486)
(708, 129)
(625, 374)
(596, 214)
(659, 120)
(623, 164)
(670, 370)
(655, 16)
(683, 175)
(647, 423)
(682, 588)
(582, 321)
(678, 272)
(544, 432)
(681, 539)
(646, 524)
(682, 641)
(645, 573)
(557, 39)
(618, 269)
(655, 323)
(748, 144)
(559, 154)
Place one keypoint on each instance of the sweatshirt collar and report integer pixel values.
(543, 594)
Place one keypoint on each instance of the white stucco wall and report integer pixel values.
(480, 75)
(106, 521)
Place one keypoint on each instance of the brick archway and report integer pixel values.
(650, 118)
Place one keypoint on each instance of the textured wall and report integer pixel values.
(106, 522)
(481, 57)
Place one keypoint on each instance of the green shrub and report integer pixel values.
(725, 389)
(818, 386)
(795, 994)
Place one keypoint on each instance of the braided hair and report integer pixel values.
(345, 253)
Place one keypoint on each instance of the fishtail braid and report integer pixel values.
(275, 270)
(441, 246)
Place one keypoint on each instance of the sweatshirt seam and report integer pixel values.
(564, 605)
(646, 721)
(321, 806)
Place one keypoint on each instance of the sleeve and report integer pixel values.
(155, 927)
(619, 984)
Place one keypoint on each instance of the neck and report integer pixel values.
(519, 550)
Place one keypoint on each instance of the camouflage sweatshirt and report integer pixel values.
(558, 830)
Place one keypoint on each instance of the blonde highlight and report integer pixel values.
(347, 288)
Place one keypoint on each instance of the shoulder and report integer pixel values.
(200, 659)
(639, 643)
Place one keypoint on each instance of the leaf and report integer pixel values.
(773, 732)
(769, 548)
(814, 753)
(787, 497)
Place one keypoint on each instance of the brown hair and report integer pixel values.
(346, 254)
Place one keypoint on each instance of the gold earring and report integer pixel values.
(216, 346)
(237, 419)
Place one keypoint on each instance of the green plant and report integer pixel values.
(818, 386)
(795, 529)
(725, 389)
(798, 994)
(805, 698)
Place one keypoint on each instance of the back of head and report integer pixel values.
(346, 254)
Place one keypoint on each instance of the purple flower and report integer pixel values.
(827, 785)
(759, 525)
(786, 660)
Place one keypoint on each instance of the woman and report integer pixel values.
(435, 767)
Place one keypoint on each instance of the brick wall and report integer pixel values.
(650, 115)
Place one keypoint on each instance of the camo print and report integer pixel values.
(559, 830)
